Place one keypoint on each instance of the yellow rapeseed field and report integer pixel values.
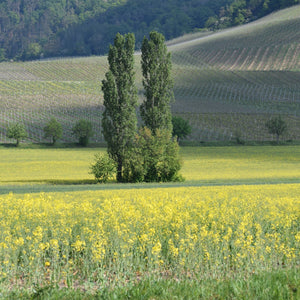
(120, 235)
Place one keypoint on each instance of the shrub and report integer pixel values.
(238, 137)
(181, 127)
(83, 131)
(154, 158)
(16, 131)
(53, 130)
(104, 168)
(277, 126)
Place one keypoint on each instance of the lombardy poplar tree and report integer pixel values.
(119, 120)
(157, 82)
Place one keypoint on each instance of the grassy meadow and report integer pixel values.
(52, 168)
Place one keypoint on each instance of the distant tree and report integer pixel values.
(181, 127)
(53, 130)
(33, 51)
(83, 131)
(157, 82)
(2, 54)
(212, 23)
(119, 120)
(16, 131)
(277, 126)
(238, 137)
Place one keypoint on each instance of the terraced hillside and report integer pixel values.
(225, 82)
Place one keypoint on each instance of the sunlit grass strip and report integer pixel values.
(245, 164)
(120, 236)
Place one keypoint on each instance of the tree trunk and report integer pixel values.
(119, 170)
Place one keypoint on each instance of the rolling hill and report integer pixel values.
(225, 82)
(51, 28)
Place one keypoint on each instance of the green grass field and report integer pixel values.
(224, 81)
(27, 170)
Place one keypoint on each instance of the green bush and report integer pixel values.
(53, 130)
(277, 126)
(181, 127)
(83, 131)
(155, 158)
(16, 131)
(238, 137)
(104, 168)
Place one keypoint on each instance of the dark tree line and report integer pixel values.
(243, 11)
(44, 28)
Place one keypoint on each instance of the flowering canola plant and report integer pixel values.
(116, 235)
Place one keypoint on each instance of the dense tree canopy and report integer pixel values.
(181, 127)
(53, 130)
(16, 131)
(42, 28)
(119, 120)
(277, 126)
(150, 154)
(157, 82)
(83, 131)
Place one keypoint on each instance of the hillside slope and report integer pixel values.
(240, 76)
(229, 81)
(52, 28)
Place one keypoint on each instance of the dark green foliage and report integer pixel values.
(2, 55)
(39, 24)
(155, 158)
(42, 28)
(238, 12)
(181, 127)
(276, 126)
(104, 168)
(83, 131)
(157, 82)
(53, 130)
(238, 137)
(119, 120)
(33, 51)
(16, 131)
(156, 153)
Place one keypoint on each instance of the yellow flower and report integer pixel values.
(47, 264)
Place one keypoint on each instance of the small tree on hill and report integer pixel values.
(17, 131)
(181, 127)
(83, 131)
(277, 126)
(53, 130)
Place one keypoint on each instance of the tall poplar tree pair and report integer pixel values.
(119, 120)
